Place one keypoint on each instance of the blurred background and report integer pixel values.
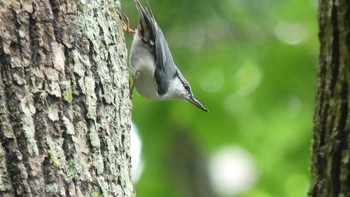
(252, 63)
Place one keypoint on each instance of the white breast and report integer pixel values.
(142, 66)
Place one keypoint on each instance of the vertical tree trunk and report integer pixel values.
(331, 140)
(64, 99)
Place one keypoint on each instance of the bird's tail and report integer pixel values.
(147, 26)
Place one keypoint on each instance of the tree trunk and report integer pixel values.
(331, 140)
(64, 99)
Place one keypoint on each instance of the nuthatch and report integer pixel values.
(152, 66)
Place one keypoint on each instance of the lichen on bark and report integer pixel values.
(331, 139)
(64, 99)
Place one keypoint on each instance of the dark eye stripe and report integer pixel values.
(184, 82)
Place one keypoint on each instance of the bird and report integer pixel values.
(155, 75)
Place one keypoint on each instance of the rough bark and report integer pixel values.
(64, 99)
(331, 139)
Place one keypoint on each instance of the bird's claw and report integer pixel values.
(125, 20)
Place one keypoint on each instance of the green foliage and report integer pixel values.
(253, 65)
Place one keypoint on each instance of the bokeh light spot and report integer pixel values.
(247, 78)
(237, 105)
(294, 106)
(212, 81)
(291, 33)
(232, 171)
(135, 149)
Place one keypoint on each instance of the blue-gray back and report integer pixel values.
(152, 34)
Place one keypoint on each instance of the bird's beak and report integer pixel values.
(197, 103)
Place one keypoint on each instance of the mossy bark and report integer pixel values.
(65, 111)
(331, 140)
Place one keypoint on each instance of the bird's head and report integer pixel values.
(180, 89)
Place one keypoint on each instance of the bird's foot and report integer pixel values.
(125, 20)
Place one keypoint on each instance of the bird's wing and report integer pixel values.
(152, 34)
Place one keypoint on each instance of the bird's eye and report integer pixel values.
(187, 88)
